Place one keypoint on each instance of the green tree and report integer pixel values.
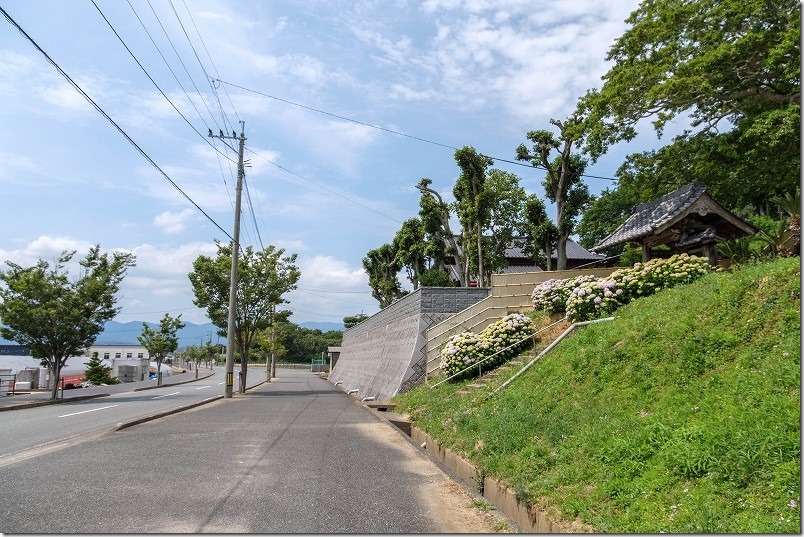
(504, 219)
(54, 316)
(472, 205)
(353, 320)
(304, 344)
(435, 277)
(563, 184)
(161, 342)
(98, 373)
(434, 213)
(410, 247)
(382, 267)
(541, 235)
(739, 82)
(263, 278)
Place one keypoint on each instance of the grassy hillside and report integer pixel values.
(682, 415)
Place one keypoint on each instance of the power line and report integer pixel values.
(323, 187)
(192, 81)
(149, 76)
(224, 117)
(104, 114)
(214, 67)
(391, 131)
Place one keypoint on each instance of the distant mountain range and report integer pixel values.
(115, 333)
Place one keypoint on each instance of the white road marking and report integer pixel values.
(85, 411)
(166, 395)
(202, 387)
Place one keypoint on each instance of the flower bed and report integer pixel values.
(467, 348)
(589, 297)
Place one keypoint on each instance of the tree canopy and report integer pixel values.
(382, 266)
(715, 60)
(263, 278)
(733, 68)
(161, 342)
(55, 316)
(563, 182)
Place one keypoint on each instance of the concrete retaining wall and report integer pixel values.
(386, 354)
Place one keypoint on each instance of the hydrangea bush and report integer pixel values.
(589, 297)
(467, 348)
(552, 295)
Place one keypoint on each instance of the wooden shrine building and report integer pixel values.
(687, 220)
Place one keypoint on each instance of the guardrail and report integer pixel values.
(550, 347)
(486, 359)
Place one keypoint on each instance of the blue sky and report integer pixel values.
(453, 73)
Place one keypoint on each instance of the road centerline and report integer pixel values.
(90, 410)
(166, 395)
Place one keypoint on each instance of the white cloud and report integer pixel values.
(64, 96)
(47, 248)
(172, 223)
(170, 261)
(328, 272)
(18, 168)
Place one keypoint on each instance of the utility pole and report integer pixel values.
(230, 329)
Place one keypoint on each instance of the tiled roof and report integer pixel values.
(574, 251)
(517, 269)
(649, 217)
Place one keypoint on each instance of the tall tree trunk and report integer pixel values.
(561, 252)
(481, 273)
(55, 370)
(243, 373)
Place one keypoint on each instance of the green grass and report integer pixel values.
(682, 415)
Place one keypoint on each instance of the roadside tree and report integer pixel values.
(263, 278)
(162, 342)
(54, 316)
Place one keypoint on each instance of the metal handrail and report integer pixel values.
(550, 347)
(487, 358)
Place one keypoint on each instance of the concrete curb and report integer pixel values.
(45, 402)
(172, 383)
(498, 493)
(126, 425)
(138, 421)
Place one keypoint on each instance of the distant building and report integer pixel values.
(14, 350)
(129, 363)
(519, 262)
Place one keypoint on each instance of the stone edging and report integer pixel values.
(496, 492)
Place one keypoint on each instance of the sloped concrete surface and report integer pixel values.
(386, 354)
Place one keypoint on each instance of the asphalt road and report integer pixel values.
(294, 456)
(43, 428)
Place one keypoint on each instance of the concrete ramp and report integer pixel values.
(386, 354)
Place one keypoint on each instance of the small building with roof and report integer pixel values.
(688, 220)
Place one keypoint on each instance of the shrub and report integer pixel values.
(589, 297)
(552, 295)
(465, 349)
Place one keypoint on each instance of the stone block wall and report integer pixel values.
(386, 354)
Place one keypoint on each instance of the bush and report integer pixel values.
(589, 297)
(465, 349)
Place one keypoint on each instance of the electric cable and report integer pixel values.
(108, 118)
(323, 187)
(192, 80)
(391, 131)
(150, 77)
